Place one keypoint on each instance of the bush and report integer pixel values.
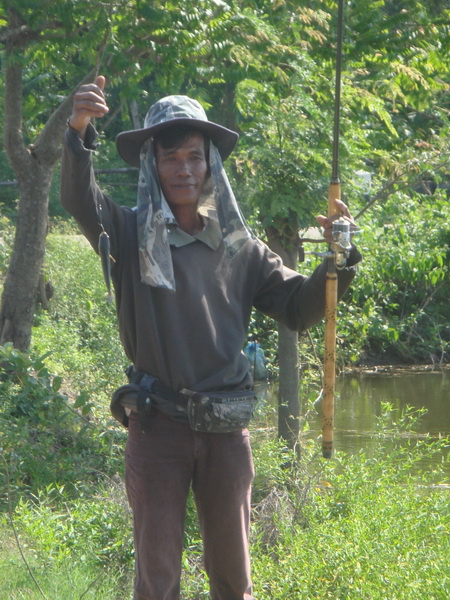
(80, 329)
(44, 439)
(397, 309)
(357, 526)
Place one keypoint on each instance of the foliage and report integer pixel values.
(44, 439)
(394, 114)
(267, 70)
(86, 534)
(397, 307)
(282, 167)
(371, 532)
(344, 529)
(359, 526)
(80, 329)
(6, 238)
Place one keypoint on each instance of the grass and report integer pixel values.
(368, 532)
(349, 528)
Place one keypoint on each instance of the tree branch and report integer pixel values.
(48, 143)
(12, 129)
(402, 183)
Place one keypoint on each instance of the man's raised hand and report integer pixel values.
(89, 102)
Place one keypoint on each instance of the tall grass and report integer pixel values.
(349, 528)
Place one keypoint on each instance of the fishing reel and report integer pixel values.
(341, 242)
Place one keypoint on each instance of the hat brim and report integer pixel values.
(129, 143)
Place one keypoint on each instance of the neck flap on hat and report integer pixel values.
(154, 216)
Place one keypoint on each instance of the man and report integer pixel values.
(186, 271)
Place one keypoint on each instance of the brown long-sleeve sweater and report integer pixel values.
(191, 338)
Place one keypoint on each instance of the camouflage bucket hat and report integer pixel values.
(166, 113)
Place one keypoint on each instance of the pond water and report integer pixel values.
(360, 396)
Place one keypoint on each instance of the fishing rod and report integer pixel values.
(336, 259)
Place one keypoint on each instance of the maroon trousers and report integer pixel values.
(161, 466)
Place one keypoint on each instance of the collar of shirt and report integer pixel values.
(210, 235)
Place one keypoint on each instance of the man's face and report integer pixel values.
(182, 170)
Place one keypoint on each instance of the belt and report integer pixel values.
(152, 385)
(152, 392)
(145, 392)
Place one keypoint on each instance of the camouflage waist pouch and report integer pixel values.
(220, 412)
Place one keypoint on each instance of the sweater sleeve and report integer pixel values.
(80, 195)
(293, 299)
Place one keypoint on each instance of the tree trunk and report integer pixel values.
(33, 166)
(284, 241)
(27, 258)
(288, 392)
(134, 112)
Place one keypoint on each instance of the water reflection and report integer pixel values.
(359, 399)
(360, 396)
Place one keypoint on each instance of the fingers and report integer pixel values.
(327, 222)
(322, 220)
(90, 99)
(344, 212)
(89, 102)
(100, 82)
(343, 208)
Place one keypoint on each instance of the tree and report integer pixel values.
(287, 161)
(33, 164)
